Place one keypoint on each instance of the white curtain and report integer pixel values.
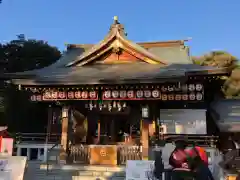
(184, 121)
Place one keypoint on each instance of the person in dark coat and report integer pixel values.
(198, 164)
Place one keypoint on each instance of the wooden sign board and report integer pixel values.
(103, 155)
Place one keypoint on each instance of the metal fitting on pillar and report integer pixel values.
(65, 112)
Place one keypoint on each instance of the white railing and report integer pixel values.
(42, 156)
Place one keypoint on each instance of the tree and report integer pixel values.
(231, 84)
(216, 59)
(16, 56)
(22, 55)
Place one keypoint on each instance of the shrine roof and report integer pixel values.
(170, 51)
(116, 74)
(116, 59)
(226, 113)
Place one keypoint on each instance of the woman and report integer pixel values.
(178, 156)
(198, 162)
(179, 161)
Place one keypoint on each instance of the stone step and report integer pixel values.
(38, 171)
(96, 178)
(79, 167)
(101, 173)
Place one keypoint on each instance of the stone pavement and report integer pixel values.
(37, 171)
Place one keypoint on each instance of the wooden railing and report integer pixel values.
(127, 152)
(81, 153)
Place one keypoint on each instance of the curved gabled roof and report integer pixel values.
(226, 114)
(116, 38)
(153, 60)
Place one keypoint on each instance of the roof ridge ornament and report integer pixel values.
(117, 27)
(115, 18)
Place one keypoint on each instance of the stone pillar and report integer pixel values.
(28, 153)
(144, 139)
(39, 154)
(19, 151)
(45, 153)
(64, 136)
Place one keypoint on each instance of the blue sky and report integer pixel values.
(212, 24)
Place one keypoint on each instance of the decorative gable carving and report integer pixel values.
(118, 56)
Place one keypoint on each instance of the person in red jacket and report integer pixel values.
(198, 151)
(198, 162)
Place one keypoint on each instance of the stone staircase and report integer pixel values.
(38, 171)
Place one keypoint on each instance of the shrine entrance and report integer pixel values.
(114, 129)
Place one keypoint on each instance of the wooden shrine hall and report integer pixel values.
(115, 96)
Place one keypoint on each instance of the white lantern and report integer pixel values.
(92, 94)
(107, 94)
(123, 94)
(155, 93)
(115, 94)
(130, 94)
(192, 96)
(145, 112)
(199, 96)
(191, 87)
(147, 94)
(199, 87)
(139, 94)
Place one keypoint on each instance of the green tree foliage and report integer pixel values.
(22, 55)
(216, 59)
(231, 85)
(17, 56)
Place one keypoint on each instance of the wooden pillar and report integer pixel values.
(64, 136)
(49, 125)
(144, 139)
(152, 128)
(113, 132)
(99, 132)
(49, 131)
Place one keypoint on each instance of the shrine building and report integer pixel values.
(116, 97)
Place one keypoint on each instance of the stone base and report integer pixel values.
(232, 177)
(62, 157)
